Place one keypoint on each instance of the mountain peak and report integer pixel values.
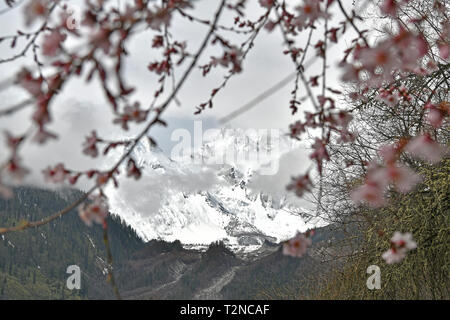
(200, 203)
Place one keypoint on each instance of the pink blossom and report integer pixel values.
(29, 83)
(403, 177)
(389, 7)
(309, 119)
(387, 97)
(345, 136)
(371, 193)
(15, 169)
(403, 240)
(102, 178)
(133, 170)
(158, 18)
(97, 211)
(297, 246)
(425, 148)
(444, 50)
(42, 136)
(56, 175)
(342, 118)
(435, 116)
(320, 153)
(35, 9)
(41, 115)
(12, 142)
(300, 185)
(351, 73)
(73, 179)
(309, 12)
(52, 43)
(90, 145)
(266, 3)
(232, 56)
(400, 245)
(380, 56)
(410, 48)
(100, 39)
(393, 256)
(131, 113)
(389, 153)
(296, 129)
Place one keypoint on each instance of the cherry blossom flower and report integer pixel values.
(389, 7)
(320, 153)
(296, 129)
(389, 153)
(266, 3)
(15, 169)
(56, 175)
(351, 73)
(131, 113)
(403, 178)
(425, 148)
(13, 142)
(73, 179)
(309, 120)
(309, 12)
(42, 136)
(333, 34)
(387, 97)
(158, 41)
(404, 240)
(52, 43)
(90, 145)
(380, 56)
(343, 118)
(297, 246)
(371, 193)
(35, 9)
(26, 80)
(300, 185)
(100, 39)
(379, 177)
(102, 178)
(444, 50)
(158, 18)
(345, 136)
(231, 56)
(409, 48)
(97, 211)
(400, 245)
(393, 256)
(435, 116)
(41, 115)
(133, 170)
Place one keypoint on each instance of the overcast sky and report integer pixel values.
(82, 107)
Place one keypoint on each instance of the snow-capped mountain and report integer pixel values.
(199, 202)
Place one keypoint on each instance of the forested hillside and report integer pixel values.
(33, 262)
(425, 273)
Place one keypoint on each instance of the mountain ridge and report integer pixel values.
(221, 207)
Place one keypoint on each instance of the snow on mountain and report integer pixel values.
(205, 196)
